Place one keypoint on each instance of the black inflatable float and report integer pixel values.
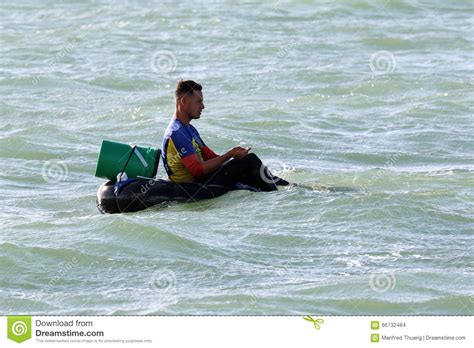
(131, 169)
(144, 193)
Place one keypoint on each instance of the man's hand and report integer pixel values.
(239, 152)
(213, 164)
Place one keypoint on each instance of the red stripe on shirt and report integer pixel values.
(207, 153)
(193, 165)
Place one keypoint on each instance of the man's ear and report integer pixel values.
(182, 100)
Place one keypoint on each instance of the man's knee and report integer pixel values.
(249, 162)
(252, 158)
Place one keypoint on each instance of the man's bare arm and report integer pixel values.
(213, 164)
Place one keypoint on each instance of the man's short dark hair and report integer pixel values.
(186, 88)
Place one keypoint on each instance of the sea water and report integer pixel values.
(369, 104)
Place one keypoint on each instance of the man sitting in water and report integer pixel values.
(187, 158)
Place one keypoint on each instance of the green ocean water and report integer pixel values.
(374, 98)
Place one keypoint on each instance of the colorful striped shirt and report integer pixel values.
(184, 151)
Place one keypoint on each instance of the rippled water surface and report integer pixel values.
(372, 98)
